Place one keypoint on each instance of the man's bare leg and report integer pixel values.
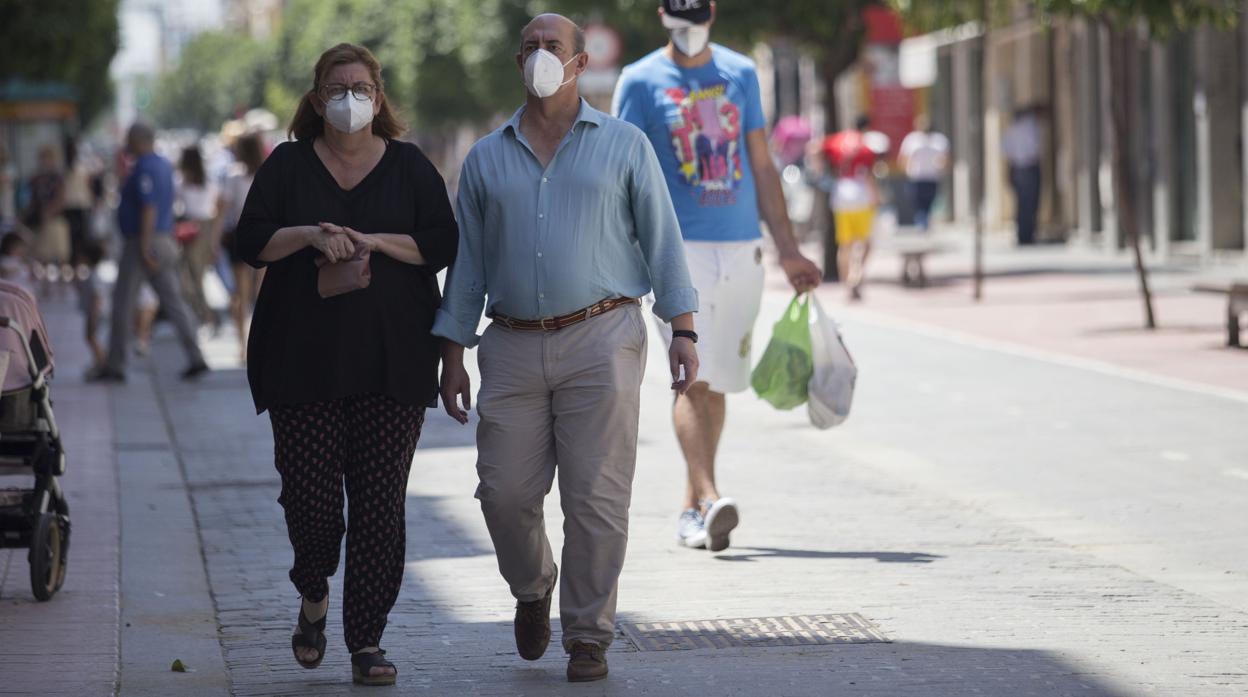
(699, 418)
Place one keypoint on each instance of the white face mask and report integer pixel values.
(543, 73)
(691, 40)
(349, 114)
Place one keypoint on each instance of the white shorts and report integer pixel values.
(729, 279)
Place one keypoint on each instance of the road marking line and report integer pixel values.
(1068, 360)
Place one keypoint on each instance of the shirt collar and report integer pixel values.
(586, 114)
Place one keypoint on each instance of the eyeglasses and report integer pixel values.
(336, 91)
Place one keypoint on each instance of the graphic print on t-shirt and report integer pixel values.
(705, 128)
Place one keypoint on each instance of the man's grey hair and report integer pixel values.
(577, 32)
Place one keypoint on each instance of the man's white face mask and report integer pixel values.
(543, 73)
(688, 38)
(691, 40)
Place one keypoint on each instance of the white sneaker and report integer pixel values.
(690, 530)
(721, 518)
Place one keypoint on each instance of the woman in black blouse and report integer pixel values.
(346, 379)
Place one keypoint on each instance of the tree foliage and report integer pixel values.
(443, 62)
(1161, 16)
(217, 75)
(67, 41)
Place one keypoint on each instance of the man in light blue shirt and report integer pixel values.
(565, 221)
(699, 104)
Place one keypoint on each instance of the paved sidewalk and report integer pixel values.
(976, 600)
(1014, 526)
(79, 626)
(1066, 301)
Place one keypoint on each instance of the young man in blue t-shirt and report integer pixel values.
(700, 106)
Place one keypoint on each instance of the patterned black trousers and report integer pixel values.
(364, 443)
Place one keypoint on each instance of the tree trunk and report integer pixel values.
(838, 54)
(981, 180)
(1122, 56)
(830, 125)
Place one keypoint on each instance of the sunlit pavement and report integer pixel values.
(1013, 522)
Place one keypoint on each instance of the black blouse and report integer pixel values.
(304, 348)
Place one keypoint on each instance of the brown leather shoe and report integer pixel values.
(587, 662)
(533, 625)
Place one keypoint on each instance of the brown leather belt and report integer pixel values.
(551, 324)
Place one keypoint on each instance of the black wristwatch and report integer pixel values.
(686, 333)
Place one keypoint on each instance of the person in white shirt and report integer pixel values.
(197, 200)
(1022, 147)
(924, 156)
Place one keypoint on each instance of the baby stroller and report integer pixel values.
(30, 442)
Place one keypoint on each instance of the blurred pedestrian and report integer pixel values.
(45, 217)
(346, 378)
(924, 157)
(566, 222)
(1022, 147)
(91, 302)
(197, 198)
(145, 216)
(15, 261)
(244, 282)
(8, 191)
(77, 203)
(789, 139)
(721, 177)
(854, 196)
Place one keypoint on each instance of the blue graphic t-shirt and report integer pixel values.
(697, 119)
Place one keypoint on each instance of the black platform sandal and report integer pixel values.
(362, 665)
(310, 635)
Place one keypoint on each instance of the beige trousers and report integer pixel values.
(570, 399)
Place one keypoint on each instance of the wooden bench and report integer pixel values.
(1236, 305)
(913, 250)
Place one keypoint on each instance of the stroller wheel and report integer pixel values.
(63, 520)
(45, 556)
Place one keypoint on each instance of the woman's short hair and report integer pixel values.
(309, 124)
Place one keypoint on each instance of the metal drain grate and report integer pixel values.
(796, 630)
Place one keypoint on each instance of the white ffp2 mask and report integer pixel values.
(543, 73)
(349, 114)
(691, 40)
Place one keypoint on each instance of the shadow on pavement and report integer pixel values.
(756, 553)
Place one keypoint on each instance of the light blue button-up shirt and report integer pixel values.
(596, 223)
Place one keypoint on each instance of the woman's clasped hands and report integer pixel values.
(338, 242)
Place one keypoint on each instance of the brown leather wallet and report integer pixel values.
(551, 324)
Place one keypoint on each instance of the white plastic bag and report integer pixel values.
(831, 387)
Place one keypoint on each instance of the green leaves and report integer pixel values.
(216, 75)
(1161, 16)
(65, 41)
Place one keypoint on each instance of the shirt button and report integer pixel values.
(545, 179)
(541, 215)
(541, 295)
(539, 255)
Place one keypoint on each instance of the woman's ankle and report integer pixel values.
(314, 610)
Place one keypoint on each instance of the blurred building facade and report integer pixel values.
(1191, 106)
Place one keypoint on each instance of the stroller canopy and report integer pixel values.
(20, 306)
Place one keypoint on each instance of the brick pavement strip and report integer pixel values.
(975, 603)
(78, 627)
